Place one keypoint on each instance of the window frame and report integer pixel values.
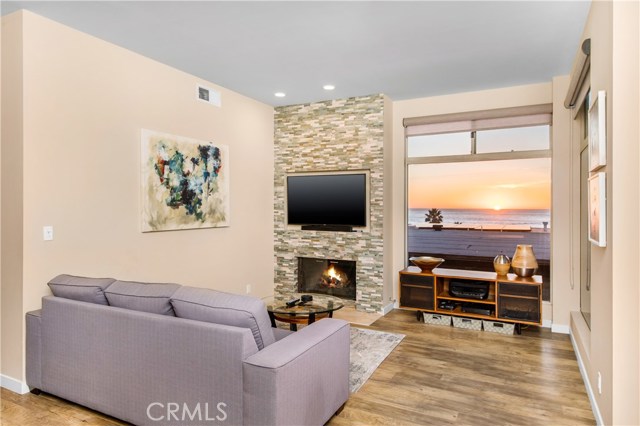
(471, 157)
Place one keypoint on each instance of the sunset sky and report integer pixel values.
(510, 184)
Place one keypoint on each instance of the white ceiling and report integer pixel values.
(402, 49)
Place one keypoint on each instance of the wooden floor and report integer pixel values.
(47, 410)
(442, 375)
(436, 376)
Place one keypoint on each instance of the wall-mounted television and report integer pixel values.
(328, 199)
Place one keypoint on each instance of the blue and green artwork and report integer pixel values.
(184, 183)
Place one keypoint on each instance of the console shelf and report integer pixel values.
(445, 296)
(511, 298)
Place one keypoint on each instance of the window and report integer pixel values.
(492, 187)
(438, 145)
(585, 245)
(512, 140)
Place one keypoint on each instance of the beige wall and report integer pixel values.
(85, 102)
(612, 346)
(599, 28)
(565, 296)
(11, 168)
(625, 104)
(462, 102)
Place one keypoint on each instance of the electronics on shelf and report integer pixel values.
(469, 289)
(477, 308)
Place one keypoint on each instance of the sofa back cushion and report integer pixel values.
(81, 288)
(207, 305)
(143, 297)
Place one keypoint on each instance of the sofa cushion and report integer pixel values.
(81, 288)
(145, 297)
(207, 305)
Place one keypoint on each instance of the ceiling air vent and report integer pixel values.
(209, 95)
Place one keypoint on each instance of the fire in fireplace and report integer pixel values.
(327, 276)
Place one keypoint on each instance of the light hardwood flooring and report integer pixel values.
(357, 318)
(443, 375)
(436, 376)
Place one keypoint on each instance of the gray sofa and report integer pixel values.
(164, 354)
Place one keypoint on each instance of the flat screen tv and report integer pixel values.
(327, 199)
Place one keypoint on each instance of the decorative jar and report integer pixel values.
(524, 261)
(501, 264)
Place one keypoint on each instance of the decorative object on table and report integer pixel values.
(306, 298)
(291, 303)
(185, 183)
(502, 264)
(426, 263)
(368, 349)
(598, 132)
(524, 261)
(598, 209)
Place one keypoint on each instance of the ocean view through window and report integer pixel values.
(488, 205)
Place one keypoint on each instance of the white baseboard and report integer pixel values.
(560, 328)
(587, 384)
(388, 308)
(13, 385)
(546, 323)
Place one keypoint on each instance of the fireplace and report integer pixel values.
(327, 276)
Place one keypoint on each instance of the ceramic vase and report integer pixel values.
(501, 264)
(524, 261)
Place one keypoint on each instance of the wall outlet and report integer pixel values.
(248, 288)
(47, 233)
(599, 383)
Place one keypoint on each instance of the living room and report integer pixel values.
(73, 109)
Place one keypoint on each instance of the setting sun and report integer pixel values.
(497, 208)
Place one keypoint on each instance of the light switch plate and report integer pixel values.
(47, 233)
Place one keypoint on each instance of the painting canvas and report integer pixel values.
(185, 183)
(598, 132)
(598, 210)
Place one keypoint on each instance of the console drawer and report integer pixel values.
(413, 296)
(517, 308)
(421, 280)
(523, 290)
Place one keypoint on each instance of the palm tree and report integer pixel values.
(434, 216)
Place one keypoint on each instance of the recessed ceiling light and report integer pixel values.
(280, 94)
(328, 87)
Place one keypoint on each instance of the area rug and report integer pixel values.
(368, 349)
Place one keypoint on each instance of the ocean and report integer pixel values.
(533, 218)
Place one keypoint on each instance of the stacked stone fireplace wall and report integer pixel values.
(339, 135)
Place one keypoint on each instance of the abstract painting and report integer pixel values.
(598, 132)
(598, 209)
(185, 183)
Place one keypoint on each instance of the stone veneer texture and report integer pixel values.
(338, 135)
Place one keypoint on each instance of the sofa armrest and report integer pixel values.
(300, 380)
(280, 333)
(34, 349)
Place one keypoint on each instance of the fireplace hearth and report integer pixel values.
(327, 276)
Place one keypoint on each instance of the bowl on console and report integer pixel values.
(426, 263)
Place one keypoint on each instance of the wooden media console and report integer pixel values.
(510, 298)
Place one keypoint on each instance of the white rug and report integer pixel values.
(368, 349)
